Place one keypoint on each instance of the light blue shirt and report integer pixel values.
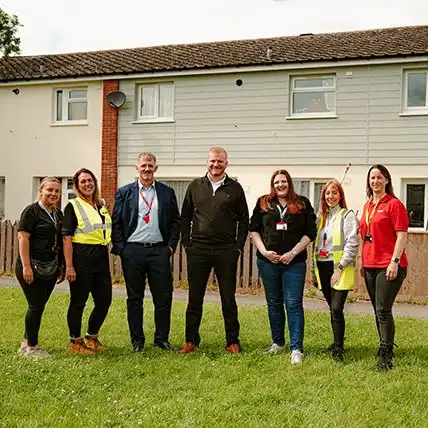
(147, 232)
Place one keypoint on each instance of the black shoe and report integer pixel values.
(337, 353)
(138, 347)
(166, 346)
(385, 358)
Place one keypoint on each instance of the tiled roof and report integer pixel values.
(383, 43)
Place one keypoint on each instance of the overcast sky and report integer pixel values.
(54, 26)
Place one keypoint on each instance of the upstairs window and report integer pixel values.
(416, 92)
(156, 102)
(71, 106)
(313, 96)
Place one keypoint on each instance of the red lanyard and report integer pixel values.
(149, 205)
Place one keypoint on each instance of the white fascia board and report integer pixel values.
(225, 70)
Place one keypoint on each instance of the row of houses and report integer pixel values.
(313, 104)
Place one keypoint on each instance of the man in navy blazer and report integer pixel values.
(145, 234)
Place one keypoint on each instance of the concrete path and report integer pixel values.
(400, 309)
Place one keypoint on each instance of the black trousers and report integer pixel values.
(152, 263)
(336, 301)
(200, 261)
(100, 286)
(382, 295)
(37, 294)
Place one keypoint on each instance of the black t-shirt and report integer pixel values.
(36, 221)
(86, 257)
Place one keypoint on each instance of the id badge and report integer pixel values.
(323, 253)
(281, 225)
(368, 238)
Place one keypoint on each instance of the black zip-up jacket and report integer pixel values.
(281, 241)
(217, 220)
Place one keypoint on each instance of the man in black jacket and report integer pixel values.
(214, 229)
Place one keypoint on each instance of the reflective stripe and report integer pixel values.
(88, 226)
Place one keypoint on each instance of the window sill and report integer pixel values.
(417, 230)
(414, 113)
(77, 123)
(139, 121)
(305, 117)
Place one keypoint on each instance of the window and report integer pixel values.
(313, 96)
(67, 192)
(416, 91)
(156, 102)
(415, 195)
(311, 189)
(2, 196)
(180, 187)
(71, 105)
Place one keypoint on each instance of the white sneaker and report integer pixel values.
(296, 357)
(35, 352)
(274, 349)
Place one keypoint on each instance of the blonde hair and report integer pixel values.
(146, 155)
(43, 183)
(218, 150)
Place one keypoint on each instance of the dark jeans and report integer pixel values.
(153, 263)
(37, 294)
(382, 295)
(336, 301)
(284, 284)
(200, 261)
(100, 286)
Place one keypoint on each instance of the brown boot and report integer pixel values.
(78, 346)
(93, 343)
(188, 348)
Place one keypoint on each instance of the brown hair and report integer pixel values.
(384, 171)
(43, 183)
(324, 208)
(96, 198)
(293, 201)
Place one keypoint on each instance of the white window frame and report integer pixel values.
(312, 182)
(65, 189)
(156, 117)
(315, 114)
(423, 181)
(406, 110)
(66, 100)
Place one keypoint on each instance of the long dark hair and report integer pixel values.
(96, 198)
(384, 171)
(293, 201)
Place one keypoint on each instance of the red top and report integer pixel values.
(389, 218)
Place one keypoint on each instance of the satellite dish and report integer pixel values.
(116, 99)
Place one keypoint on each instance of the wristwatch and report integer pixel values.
(294, 252)
(340, 267)
(396, 260)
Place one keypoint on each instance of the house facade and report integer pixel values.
(316, 105)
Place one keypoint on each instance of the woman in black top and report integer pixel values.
(39, 246)
(86, 235)
(282, 226)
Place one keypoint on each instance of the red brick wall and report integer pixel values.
(109, 145)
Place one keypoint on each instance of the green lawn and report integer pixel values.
(210, 388)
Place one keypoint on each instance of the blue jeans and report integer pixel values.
(284, 284)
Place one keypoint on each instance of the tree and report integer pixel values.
(10, 43)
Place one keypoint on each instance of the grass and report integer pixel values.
(209, 388)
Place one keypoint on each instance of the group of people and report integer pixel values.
(145, 227)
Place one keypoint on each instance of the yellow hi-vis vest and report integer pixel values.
(347, 277)
(90, 227)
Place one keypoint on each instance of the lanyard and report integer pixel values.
(282, 212)
(369, 217)
(149, 204)
(52, 217)
(324, 239)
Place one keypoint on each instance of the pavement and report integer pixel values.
(313, 304)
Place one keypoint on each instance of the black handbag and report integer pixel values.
(47, 270)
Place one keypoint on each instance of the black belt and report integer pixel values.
(149, 244)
